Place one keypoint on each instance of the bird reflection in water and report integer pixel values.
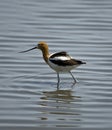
(62, 106)
(60, 95)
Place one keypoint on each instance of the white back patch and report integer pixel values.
(61, 58)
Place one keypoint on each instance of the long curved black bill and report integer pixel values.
(28, 50)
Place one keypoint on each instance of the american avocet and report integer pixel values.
(60, 62)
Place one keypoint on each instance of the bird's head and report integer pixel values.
(42, 46)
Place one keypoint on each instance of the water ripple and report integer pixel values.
(28, 94)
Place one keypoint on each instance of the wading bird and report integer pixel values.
(60, 62)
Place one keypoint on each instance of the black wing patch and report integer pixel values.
(70, 62)
(62, 53)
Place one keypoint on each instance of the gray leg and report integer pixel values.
(72, 77)
(58, 80)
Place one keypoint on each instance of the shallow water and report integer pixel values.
(28, 93)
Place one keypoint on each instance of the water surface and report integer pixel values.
(28, 93)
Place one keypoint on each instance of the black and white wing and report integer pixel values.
(63, 59)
